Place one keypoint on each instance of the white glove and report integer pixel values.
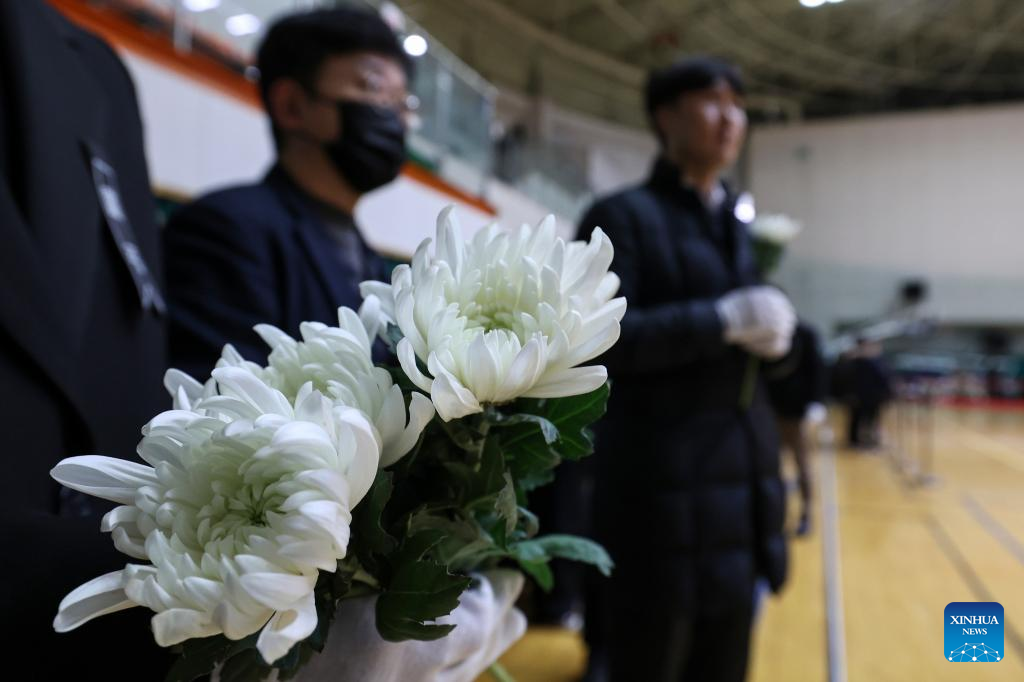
(815, 415)
(486, 624)
(759, 319)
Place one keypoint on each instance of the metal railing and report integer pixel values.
(910, 432)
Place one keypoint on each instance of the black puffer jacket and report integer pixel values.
(688, 497)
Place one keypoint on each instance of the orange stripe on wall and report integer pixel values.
(157, 47)
(425, 177)
(124, 34)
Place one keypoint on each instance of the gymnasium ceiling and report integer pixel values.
(846, 57)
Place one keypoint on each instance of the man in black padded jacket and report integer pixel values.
(687, 493)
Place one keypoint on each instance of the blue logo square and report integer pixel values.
(974, 632)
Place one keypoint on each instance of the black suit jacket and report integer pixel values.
(255, 254)
(676, 456)
(80, 361)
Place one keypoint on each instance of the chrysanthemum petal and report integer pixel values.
(572, 381)
(174, 626)
(287, 627)
(107, 477)
(97, 597)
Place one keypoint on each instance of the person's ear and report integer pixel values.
(666, 124)
(661, 120)
(287, 104)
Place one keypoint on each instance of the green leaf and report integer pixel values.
(416, 545)
(290, 661)
(247, 666)
(506, 505)
(530, 523)
(529, 550)
(392, 335)
(489, 480)
(329, 588)
(368, 535)
(399, 628)
(527, 435)
(465, 433)
(333, 586)
(572, 416)
(539, 571)
(419, 590)
(465, 546)
(429, 591)
(198, 657)
(460, 473)
(569, 547)
(548, 430)
(529, 454)
(534, 480)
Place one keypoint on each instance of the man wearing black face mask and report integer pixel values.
(286, 250)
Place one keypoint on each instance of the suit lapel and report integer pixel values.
(320, 248)
(62, 203)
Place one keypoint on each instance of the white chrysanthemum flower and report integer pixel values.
(339, 362)
(505, 315)
(247, 496)
(775, 228)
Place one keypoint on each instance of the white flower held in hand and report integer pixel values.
(505, 315)
(248, 495)
(775, 228)
(339, 362)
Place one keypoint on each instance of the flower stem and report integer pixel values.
(367, 579)
(498, 672)
(749, 382)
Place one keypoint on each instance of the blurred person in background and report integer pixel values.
(796, 388)
(688, 496)
(82, 334)
(287, 250)
(869, 390)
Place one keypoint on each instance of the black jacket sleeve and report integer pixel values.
(655, 337)
(46, 558)
(222, 280)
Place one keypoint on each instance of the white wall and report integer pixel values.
(934, 195)
(197, 138)
(396, 218)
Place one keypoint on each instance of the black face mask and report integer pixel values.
(371, 148)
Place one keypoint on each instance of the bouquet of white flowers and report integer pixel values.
(270, 493)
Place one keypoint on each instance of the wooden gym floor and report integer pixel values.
(885, 557)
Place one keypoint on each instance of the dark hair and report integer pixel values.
(297, 45)
(666, 84)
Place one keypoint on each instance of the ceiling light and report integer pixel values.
(201, 5)
(812, 3)
(242, 24)
(415, 45)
